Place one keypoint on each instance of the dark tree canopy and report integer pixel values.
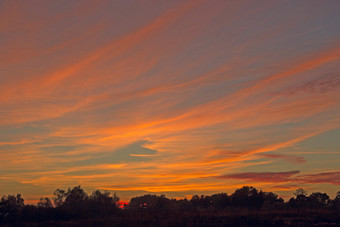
(76, 204)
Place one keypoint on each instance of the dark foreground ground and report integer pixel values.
(189, 219)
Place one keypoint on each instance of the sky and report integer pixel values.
(172, 97)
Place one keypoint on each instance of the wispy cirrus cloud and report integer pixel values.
(289, 158)
(317, 178)
(262, 176)
(287, 177)
(328, 82)
(214, 88)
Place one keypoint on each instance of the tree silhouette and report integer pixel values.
(75, 198)
(59, 197)
(245, 207)
(10, 206)
(45, 203)
(318, 200)
(336, 201)
(220, 201)
(12, 202)
(300, 192)
(150, 202)
(102, 203)
(272, 201)
(301, 201)
(247, 197)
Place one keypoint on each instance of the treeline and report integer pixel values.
(246, 205)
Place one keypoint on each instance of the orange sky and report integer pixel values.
(172, 97)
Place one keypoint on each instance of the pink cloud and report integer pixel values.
(326, 177)
(289, 176)
(326, 83)
(289, 158)
(262, 176)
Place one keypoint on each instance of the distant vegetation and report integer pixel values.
(245, 207)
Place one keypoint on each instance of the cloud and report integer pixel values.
(49, 82)
(289, 158)
(325, 83)
(262, 176)
(164, 94)
(135, 152)
(287, 177)
(319, 178)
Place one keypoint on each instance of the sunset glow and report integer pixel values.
(169, 97)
